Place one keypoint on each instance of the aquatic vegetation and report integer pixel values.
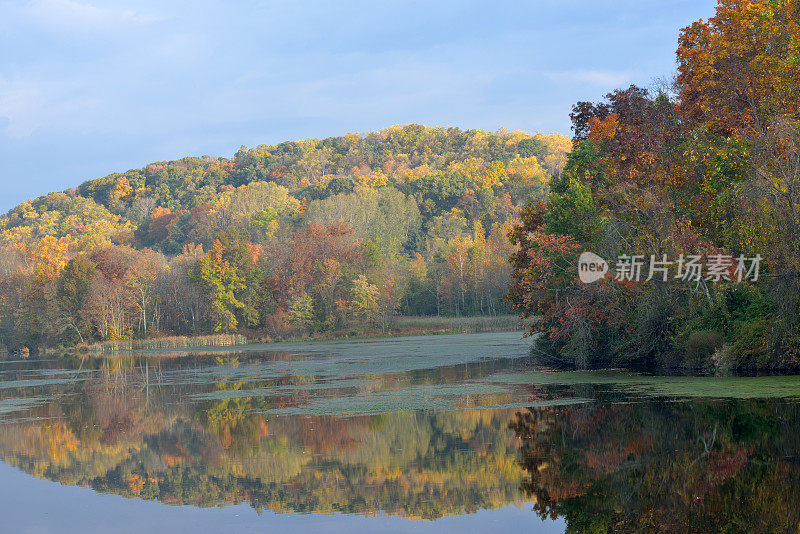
(420, 428)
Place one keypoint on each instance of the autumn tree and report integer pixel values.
(364, 300)
(222, 274)
(73, 287)
(737, 71)
(110, 305)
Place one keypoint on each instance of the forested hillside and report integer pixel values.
(339, 234)
(708, 175)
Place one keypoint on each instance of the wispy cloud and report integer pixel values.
(601, 78)
(81, 16)
(28, 105)
(19, 100)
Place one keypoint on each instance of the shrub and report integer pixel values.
(750, 348)
(700, 346)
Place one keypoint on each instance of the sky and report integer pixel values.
(90, 87)
(45, 507)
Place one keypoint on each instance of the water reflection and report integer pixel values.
(412, 464)
(311, 432)
(257, 428)
(664, 466)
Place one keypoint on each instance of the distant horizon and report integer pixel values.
(97, 86)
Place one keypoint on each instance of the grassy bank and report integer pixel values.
(171, 342)
(403, 326)
(456, 325)
(421, 326)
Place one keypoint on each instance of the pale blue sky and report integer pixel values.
(88, 87)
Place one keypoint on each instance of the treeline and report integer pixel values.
(712, 171)
(339, 234)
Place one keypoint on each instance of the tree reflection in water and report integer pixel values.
(240, 431)
(117, 433)
(661, 466)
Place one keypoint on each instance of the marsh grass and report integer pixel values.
(403, 326)
(460, 325)
(173, 342)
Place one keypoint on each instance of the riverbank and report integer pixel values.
(403, 326)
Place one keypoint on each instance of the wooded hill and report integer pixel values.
(316, 235)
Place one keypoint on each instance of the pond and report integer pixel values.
(420, 434)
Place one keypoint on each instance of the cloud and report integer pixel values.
(81, 16)
(594, 77)
(29, 104)
(18, 101)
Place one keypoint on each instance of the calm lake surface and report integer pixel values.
(424, 434)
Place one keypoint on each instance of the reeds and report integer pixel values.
(172, 342)
(461, 325)
(402, 325)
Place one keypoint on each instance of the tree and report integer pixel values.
(387, 303)
(182, 298)
(301, 311)
(364, 300)
(73, 287)
(143, 279)
(222, 274)
(110, 305)
(386, 216)
(737, 70)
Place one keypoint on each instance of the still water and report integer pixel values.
(425, 434)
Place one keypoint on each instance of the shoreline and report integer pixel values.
(404, 327)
